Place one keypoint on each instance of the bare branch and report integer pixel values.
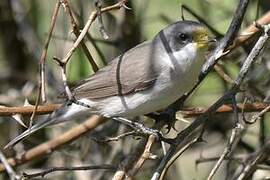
(250, 165)
(91, 19)
(79, 168)
(50, 146)
(245, 107)
(10, 171)
(117, 138)
(145, 156)
(76, 31)
(233, 140)
(41, 83)
(44, 53)
(28, 110)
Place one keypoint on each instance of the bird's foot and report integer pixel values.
(168, 116)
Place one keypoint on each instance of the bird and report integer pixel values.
(144, 79)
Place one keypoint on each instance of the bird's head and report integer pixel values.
(182, 33)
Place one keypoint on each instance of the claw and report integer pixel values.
(169, 116)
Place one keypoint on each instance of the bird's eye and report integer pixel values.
(182, 36)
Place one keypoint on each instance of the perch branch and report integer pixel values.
(186, 111)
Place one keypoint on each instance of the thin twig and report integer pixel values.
(49, 146)
(245, 107)
(78, 168)
(173, 159)
(100, 21)
(76, 31)
(9, 169)
(62, 63)
(233, 140)
(188, 9)
(129, 161)
(145, 156)
(90, 21)
(135, 159)
(256, 117)
(117, 138)
(250, 31)
(45, 50)
(238, 159)
(223, 75)
(250, 164)
(41, 83)
(64, 78)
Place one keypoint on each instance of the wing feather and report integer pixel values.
(128, 73)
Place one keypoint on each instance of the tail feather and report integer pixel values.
(28, 132)
(64, 113)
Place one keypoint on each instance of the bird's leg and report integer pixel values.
(168, 116)
(143, 129)
(200, 138)
(137, 126)
(75, 101)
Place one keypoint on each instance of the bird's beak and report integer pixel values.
(202, 38)
(206, 42)
(212, 40)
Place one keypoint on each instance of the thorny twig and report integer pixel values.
(78, 168)
(173, 159)
(135, 159)
(100, 21)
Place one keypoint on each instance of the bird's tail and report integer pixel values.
(65, 113)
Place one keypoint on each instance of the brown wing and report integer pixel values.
(130, 72)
